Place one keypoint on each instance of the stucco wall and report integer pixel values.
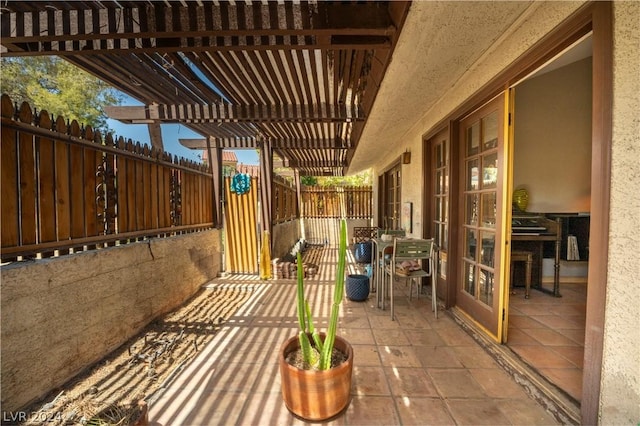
(412, 188)
(63, 314)
(620, 392)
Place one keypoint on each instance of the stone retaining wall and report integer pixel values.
(61, 315)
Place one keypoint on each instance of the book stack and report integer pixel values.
(572, 248)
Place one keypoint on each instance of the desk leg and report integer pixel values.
(527, 283)
(556, 271)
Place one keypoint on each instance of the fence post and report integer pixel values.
(266, 182)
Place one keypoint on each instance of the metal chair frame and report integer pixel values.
(413, 249)
(379, 261)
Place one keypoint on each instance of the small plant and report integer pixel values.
(318, 355)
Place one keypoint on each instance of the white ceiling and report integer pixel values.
(581, 49)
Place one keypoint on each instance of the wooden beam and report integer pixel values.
(335, 171)
(314, 164)
(266, 187)
(155, 135)
(41, 49)
(225, 113)
(279, 144)
(215, 158)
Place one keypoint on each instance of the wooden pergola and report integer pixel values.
(293, 78)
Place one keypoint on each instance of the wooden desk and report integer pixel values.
(528, 238)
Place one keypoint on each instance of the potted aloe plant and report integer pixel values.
(313, 386)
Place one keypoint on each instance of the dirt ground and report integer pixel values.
(108, 393)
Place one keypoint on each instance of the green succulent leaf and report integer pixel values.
(319, 354)
(302, 322)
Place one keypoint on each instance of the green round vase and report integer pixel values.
(521, 199)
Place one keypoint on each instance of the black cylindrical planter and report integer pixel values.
(362, 252)
(357, 287)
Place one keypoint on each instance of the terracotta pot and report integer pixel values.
(143, 418)
(316, 395)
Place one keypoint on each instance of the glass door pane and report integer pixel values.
(480, 219)
(490, 131)
(439, 147)
(489, 206)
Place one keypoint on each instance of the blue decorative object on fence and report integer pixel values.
(357, 287)
(241, 183)
(362, 252)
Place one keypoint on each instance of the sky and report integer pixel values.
(170, 135)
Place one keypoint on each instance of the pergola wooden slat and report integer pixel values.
(59, 28)
(277, 70)
(298, 77)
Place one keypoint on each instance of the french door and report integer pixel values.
(439, 183)
(392, 191)
(482, 210)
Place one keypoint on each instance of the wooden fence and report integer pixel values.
(285, 201)
(65, 188)
(322, 202)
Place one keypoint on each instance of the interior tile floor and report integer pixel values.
(415, 370)
(548, 334)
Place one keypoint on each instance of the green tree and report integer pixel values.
(361, 179)
(309, 180)
(61, 88)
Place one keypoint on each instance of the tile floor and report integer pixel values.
(416, 370)
(548, 333)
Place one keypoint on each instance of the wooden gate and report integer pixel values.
(241, 227)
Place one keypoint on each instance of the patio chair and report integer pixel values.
(412, 259)
(383, 257)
